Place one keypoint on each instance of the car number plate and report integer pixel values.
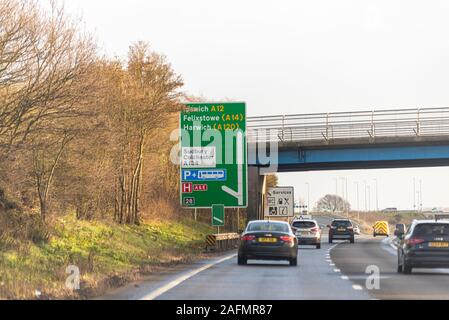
(439, 244)
(268, 240)
(341, 229)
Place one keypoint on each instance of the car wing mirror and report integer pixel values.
(398, 233)
(400, 230)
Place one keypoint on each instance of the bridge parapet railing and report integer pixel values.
(344, 125)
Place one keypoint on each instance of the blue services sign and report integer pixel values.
(204, 175)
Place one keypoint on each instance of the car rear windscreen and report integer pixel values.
(431, 229)
(341, 223)
(304, 224)
(268, 226)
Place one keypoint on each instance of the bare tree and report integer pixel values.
(333, 203)
(77, 131)
(45, 160)
(142, 98)
(43, 69)
(272, 180)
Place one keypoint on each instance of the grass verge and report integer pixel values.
(107, 255)
(366, 220)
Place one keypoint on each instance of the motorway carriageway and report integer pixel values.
(337, 271)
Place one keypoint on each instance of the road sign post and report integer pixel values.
(213, 155)
(238, 220)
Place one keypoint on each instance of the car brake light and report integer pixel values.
(248, 238)
(414, 241)
(287, 239)
(314, 229)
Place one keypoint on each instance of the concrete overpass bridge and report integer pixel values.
(344, 140)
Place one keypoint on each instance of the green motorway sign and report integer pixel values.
(218, 215)
(213, 155)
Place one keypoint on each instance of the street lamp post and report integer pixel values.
(346, 191)
(366, 208)
(336, 186)
(369, 198)
(377, 195)
(308, 196)
(344, 187)
(420, 194)
(336, 193)
(414, 194)
(358, 203)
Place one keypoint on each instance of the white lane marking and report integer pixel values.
(156, 293)
(365, 277)
(343, 277)
(332, 264)
(387, 245)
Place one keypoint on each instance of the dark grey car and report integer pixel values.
(424, 245)
(341, 229)
(268, 240)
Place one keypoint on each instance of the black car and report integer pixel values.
(341, 229)
(268, 240)
(424, 245)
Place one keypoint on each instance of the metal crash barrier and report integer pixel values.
(222, 242)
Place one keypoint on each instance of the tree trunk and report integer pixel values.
(43, 183)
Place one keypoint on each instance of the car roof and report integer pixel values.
(270, 221)
(415, 222)
(305, 220)
(341, 219)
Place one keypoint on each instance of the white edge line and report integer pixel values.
(156, 293)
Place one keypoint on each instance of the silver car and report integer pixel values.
(308, 232)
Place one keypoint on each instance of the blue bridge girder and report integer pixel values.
(358, 157)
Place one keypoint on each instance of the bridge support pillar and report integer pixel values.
(256, 194)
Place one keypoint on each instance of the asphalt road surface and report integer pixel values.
(337, 271)
(353, 260)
